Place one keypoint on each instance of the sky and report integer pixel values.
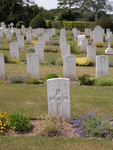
(47, 4)
(50, 4)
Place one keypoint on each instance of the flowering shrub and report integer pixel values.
(4, 123)
(51, 125)
(86, 80)
(17, 79)
(91, 125)
(85, 61)
(34, 42)
(99, 44)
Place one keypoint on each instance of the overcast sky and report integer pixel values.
(50, 4)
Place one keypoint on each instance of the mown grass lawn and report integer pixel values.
(32, 100)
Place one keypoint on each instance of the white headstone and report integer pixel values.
(8, 36)
(80, 38)
(98, 35)
(41, 40)
(102, 65)
(84, 44)
(65, 50)
(62, 41)
(39, 50)
(14, 49)
(69, 67)
(33, 68)
(58, 91)
(1, 33)
(28, 37)
(91, 52)
(91, 35)
(20, 40)
(2, 67)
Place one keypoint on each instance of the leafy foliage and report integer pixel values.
(30, 49)
(17, 79)
(37, 22)
(51, 75)
(19, 121)
(19, 23)
(31, 80)
(86, 80)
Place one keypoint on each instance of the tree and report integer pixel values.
(95, 5)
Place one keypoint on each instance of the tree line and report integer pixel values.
(69, 10)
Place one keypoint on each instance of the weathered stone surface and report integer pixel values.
(39, 50)
(102, 65)
(33, 68)
(14, 49)
(69, 67)
(65, 50)
(91, 52)
(2, 67)
(58, 91)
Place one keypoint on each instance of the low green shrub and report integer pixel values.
(17, 79)
(51, 75)
(103, 81)
(30, 49)
(37, 22)
(19, 23)
(69, 38)
(19, 121)
(53, 61)
(6, 59)
(73, 49)
(31, 80)
(59, 61)
(50, 50)
(86, 80)
(14, 60)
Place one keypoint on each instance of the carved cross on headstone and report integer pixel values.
(109, 39)
(59, 99)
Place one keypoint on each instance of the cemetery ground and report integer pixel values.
(32, 99)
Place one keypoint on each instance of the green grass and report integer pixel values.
(32, 100)
(41, 143)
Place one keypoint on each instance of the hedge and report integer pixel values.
(68, 25)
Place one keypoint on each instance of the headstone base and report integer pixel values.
(109, 51)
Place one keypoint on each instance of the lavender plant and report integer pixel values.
(91, 125)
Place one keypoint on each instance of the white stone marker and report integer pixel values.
(69, 67)
(33, 68)
(2, 67)
(98, 35)
(65, 50)
(20, 40)
(28, 36)
(84, 44)
(102, 65)
(8, 36)
(91, 35)
(80, 38)
(1, 33)
(109, 49)
(14, 49)
(41, 40)
(39, 50)
(58, 91)
(91, 52)
(62, 41)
